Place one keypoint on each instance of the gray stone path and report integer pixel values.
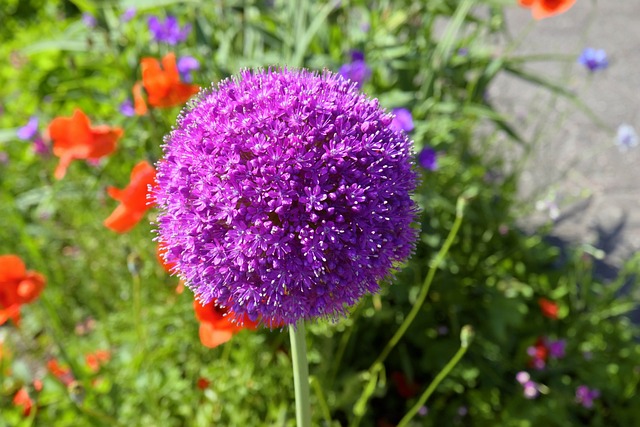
(597, 186)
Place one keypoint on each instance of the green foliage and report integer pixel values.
(107, 291)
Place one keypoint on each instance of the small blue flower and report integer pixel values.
(126, 108)
(186, 65)
(168, 31)
(402, 120)
(593, 59)
(357, 70)
(29, 130)
(626, 138)
(128, 14)
(89, 20)
(428, 158)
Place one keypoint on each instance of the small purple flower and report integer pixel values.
(357, 70)
(128, 14)
(530, 390)
(285, 195)
(30, 130)
(523, 377)
(126, 108)
(428, 158)
(168, 31)
(402, 120)
(463, 411)
(423, 411)
(626, 138)
(463, 51)
(4, 158)
(549, 204)
(40, 147)
(186, 65)
(593, 59)
(557, 348)
(89, 20)
(586, 396)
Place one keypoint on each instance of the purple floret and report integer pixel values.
(286, 195)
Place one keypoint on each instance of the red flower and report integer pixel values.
(203, 383)
(17, 286)
(96, 359)
(74, 138)
(23, 399)
(216, 326)
(538, 354)
(133, 199)
(162, 84)
(61, 373)
(407, 389)
(548, 308)
(541, 9)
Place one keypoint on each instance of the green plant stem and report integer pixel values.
(425, 285)
(300, 374)
(377, 365)
(465, 338)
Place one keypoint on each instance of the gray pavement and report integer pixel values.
(597, 187)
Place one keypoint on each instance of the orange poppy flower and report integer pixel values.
(74, 138)
(63, 374)
(162, 84)
(23, 400)
(216, 326)
(17, 286)
(548, 308)
(96, 359)
(541, 9)
(133, 199)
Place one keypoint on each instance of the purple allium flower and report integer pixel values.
(126, 108)
(29, 130)
(186, 65)
(428, 159)
(168, 31)
(284, 195)
(557, 348)
(89, 20)
(357, 70)
(586, 396)
(626, 138)
(128, 14)
(593, 59)
(402, 120)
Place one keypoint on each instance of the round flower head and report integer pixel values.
(285, 195)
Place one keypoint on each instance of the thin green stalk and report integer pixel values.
(377, 366)
(465, 337)
(322, 401)
(425, 285)
(300, 374)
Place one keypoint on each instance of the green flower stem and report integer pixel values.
(425, 286)
(377, 366)
(300, 374)
(465, 337)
